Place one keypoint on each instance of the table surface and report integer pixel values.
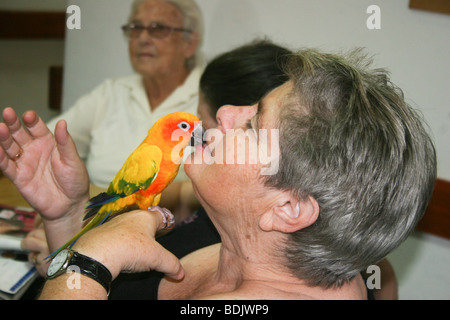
(9, 195)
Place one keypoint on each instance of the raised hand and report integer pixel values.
(45, 168)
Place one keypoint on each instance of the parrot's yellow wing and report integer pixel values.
(138, 172)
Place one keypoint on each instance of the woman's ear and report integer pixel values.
(291, 215)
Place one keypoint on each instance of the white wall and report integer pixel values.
(412, 44)
(98, 50)
(422, 265)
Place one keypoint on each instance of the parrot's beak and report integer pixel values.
(197, 136)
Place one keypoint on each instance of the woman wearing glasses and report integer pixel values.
(164, 46)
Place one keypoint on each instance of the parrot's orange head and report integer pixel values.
(174, 130)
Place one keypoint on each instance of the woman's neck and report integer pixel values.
(160, 88)
(258, 275)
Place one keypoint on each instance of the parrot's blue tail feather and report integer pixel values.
(91, 212)
(97, 202)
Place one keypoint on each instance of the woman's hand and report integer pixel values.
(46, 169)
(127, 244)
(36, 243)
(124, 244)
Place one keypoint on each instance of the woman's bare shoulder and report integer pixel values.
(198, 266)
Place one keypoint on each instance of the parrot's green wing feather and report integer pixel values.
(138, 172)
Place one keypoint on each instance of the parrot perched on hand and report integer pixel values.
(145, 174)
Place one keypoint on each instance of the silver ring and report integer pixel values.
(168, 218)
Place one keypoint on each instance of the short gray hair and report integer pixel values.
(349, 140)
(193, 20)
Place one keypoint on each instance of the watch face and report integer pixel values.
(57, 262)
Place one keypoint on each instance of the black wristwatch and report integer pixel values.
(78, 262)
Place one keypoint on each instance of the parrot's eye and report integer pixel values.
(184, 126)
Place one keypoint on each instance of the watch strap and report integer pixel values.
(91, 268)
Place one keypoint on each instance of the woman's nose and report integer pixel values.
(144, 37)
(229, 117)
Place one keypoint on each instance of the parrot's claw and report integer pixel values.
(168, 218)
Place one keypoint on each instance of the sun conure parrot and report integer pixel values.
(145, 174)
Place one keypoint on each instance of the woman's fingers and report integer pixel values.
(35, 126)
(17, 131)
(168, 264)
(35, 241)
(66, 146)
(10, 147)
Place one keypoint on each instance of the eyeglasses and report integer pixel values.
(155, 30)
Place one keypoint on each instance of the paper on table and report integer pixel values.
(15, 223)
(15, 274)
(8, 242)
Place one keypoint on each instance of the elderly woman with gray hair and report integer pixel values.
(164, 38)
(355, 171)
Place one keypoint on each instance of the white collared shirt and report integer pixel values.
(111, 121)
